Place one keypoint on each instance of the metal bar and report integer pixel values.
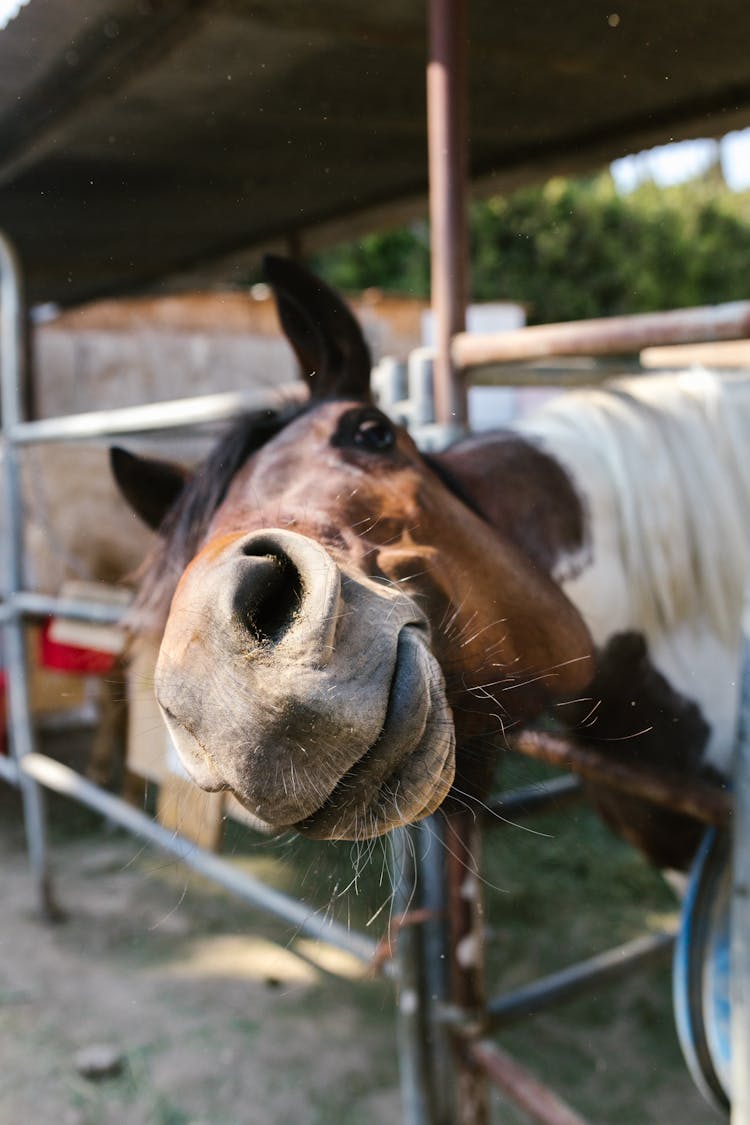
(414, 1069)
(9, 770)
(22, 745)
(13, 395)
(447, 145)
(607, 336)
(29, 603)
(706, 803)
(530, 800)
(13, 359)
(168, 415)
(556, 375)
(431, 853)
(739, 922)
(62, 779)
(521, 1087)
(557, 988)
(466, 962)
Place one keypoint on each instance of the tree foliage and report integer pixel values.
(577, 248)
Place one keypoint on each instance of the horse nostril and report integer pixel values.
(268, 596)
(284, 586)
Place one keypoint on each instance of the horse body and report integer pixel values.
(351, 628)
(652, 528)
(659, 467)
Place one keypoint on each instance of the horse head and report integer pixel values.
(341, 617)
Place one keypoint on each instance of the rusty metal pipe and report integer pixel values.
(447, 151)
(614, 335)
(706, 803)
(521, 1087)
(466, 955)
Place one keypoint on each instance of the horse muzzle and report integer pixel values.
(307, 689)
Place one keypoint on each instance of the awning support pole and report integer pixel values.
(447, 129)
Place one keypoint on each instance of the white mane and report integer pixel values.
(664, 461)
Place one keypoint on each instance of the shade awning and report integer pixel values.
(140, 139)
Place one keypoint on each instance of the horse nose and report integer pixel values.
(268, 597)
(285, 587)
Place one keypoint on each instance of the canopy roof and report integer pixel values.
(144, 138)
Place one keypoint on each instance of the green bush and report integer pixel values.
(576, 248)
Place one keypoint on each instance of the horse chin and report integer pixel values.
(404, 773)
(395, 805)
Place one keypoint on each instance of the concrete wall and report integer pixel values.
(122, 353)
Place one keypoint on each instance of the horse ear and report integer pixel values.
(323, 331)
(150, 487)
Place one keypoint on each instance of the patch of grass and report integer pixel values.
(567, 890)
(570, 889)
(165, 1113)
(249, 1028)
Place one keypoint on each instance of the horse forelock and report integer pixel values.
(662, 459)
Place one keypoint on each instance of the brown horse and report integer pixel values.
(351, 627)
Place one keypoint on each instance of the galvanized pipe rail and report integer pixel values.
(12, 385)
(154, 417)
(574, 980)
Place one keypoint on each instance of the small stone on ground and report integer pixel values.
(99, 1061)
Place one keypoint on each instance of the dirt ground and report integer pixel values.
(218, 1016)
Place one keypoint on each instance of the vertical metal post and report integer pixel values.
(417, 1096)
(431, 855)
(467, 925)
(740, 912)
(447, 126)
(12, 396)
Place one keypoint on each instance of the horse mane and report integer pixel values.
(186, 523)
(666, 457)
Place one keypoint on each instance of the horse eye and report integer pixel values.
(375, 434)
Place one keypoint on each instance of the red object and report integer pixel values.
(71, 658)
